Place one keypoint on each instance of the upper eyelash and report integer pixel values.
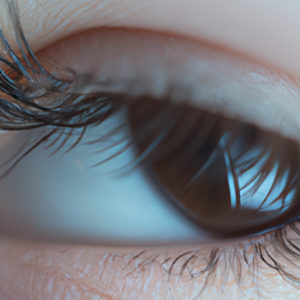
(29, 103)
(37, 98)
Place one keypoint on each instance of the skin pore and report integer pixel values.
(264, 31)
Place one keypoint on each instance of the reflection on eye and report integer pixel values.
(229, 177)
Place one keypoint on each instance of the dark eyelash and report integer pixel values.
(37, 98)
(278, 250)
(34, 98)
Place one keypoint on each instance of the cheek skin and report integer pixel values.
(35, 271)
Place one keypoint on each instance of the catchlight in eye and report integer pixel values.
(229, 177)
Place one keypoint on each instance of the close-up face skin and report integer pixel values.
(89, 210)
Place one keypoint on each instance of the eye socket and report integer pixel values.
(229, 177)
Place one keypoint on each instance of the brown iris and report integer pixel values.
(229, 177)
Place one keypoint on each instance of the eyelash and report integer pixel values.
(276, 250)
(34, 98)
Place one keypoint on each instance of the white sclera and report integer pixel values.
(59, 197)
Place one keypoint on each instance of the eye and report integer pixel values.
(169, 87)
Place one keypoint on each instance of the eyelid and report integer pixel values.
(188, 71)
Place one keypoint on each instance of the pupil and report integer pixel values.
(229, 177)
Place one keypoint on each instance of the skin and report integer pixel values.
(263, 31)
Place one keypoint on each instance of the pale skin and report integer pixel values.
(263, 31)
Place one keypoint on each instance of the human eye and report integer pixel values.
(196, 260)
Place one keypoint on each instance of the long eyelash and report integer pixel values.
(33, 98)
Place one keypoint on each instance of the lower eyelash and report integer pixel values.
(34, 98)
(239, 261)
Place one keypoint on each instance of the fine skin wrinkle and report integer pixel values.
(75, 272)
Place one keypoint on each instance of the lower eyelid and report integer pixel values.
(80, 272)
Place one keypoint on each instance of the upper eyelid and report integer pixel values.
(264, 89)
(295, 92)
